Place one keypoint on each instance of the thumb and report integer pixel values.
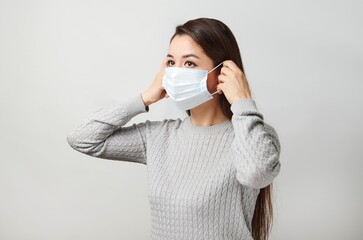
(219, 88)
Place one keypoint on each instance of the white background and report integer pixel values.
(61, 60)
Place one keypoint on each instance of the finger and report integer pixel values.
(226, 71)
(220, 88)
(222, 78)
(233, 71)
(231, 65)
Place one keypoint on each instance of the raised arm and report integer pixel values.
(103, 134)
(256, 147)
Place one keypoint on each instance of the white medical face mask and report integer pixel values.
(187, 87)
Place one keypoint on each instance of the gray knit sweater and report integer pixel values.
(203, 181)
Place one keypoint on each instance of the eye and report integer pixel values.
(189, 64)
(170, 63)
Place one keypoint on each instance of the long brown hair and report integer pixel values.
(219, 44)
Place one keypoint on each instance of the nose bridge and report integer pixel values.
(178, 63)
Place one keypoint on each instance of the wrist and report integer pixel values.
(145, 99)
(238, 98)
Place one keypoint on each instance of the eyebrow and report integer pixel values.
(185, 56)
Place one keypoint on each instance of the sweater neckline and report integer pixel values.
(206, 129)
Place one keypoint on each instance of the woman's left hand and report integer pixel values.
(233, 82)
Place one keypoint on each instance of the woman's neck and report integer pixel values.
(207, 114)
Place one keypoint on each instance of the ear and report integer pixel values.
(214, 76)
(212, 81)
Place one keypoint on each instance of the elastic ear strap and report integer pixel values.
(215, 92)
(216, 67)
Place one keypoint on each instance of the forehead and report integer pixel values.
(183, 44)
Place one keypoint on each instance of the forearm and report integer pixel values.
(92, 133)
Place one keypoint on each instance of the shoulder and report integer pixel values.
(162, 125)
(270, 129)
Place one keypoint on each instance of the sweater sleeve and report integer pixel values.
(104, 135)
(256, 146)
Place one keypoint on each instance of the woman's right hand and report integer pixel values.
(156, 91)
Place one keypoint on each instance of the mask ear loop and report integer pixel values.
(215, 67)
(212, 71)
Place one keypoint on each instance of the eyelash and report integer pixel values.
(171, 63)
(190, 63)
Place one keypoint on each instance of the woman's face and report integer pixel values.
(184, 52)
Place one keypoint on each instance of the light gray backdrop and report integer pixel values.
(61, 60)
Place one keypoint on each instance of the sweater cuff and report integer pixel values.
(136, 105)
(245, 106)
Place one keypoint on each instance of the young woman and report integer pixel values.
(209, 174)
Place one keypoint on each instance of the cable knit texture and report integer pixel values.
(203, 181)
